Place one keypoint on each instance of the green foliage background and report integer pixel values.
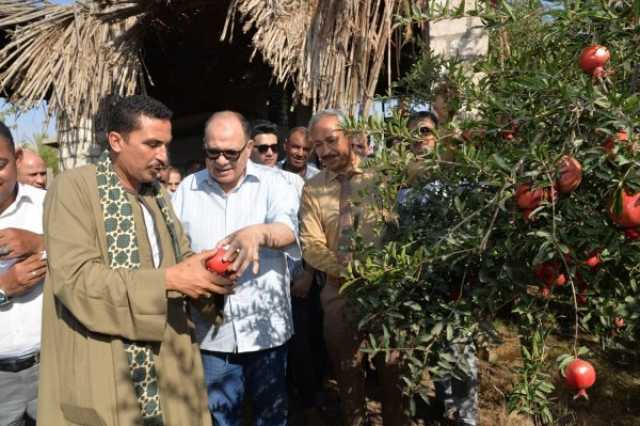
(459, 254)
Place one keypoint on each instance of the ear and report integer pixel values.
(19, 154)
(115, 141)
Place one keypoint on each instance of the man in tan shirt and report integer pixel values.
(332, 208)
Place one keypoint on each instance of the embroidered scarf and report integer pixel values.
(122, 248)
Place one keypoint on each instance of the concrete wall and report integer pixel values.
(464, 38)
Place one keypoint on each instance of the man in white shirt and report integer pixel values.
(22, 269)
(253, 212)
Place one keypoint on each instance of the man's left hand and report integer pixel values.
(246, 244)
(18, 243)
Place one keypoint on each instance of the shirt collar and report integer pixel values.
(331, 176)
(203, 177)
(24, 195)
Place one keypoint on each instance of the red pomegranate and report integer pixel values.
(618, 322)
(632, 234)
(216, 264)
(581, 298)
(528, 199)
(580, 375)
(599, 72)
(593, 57)
(593, 260)
(610, 143)
(629, 216)
(570, 174)
(545, 292)
(549, 273)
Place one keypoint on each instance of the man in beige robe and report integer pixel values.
(92, 311)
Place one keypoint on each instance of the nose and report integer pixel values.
(162, 154)
(321, 150)
(221, 161)
(41, 180)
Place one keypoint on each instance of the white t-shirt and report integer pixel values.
(149, 224)
(21, 320)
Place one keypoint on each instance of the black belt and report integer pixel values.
(14, 365)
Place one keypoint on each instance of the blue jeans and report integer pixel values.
(261, 374)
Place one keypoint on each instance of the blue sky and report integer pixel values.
(25, 125)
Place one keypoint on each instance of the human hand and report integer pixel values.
(302, 284)
(244, 244)
(191, 278)
(24, 275)
(15, 243)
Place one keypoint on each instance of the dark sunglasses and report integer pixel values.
(229, 154)
(425, 131)
(262, 149)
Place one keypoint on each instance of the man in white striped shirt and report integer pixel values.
(253, 212)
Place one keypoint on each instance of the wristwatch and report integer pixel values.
(4, 299)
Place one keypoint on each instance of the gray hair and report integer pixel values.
(341, 116)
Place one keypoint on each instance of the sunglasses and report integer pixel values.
(425, 131)
(229, 154)
(262, 149)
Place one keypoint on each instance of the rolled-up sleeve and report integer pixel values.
(116, 302)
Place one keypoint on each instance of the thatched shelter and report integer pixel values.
(276, 59)
(256, 56)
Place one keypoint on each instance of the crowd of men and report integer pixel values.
(110, 315)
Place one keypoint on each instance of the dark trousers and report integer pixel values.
(307, 352)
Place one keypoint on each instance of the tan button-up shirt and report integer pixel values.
(320, 218)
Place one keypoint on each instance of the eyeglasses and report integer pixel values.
(425, 131)
(229, 154)
(262, 149)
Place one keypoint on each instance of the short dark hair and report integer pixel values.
(299, 129)
(263, 127)
(421, 115)
(5, 133)
(121, 114)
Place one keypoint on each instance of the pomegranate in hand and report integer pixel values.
(216, 264)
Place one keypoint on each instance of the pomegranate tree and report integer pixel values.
(572, 263)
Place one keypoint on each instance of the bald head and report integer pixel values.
(32, 170)
(227, 145)
(229, 120)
